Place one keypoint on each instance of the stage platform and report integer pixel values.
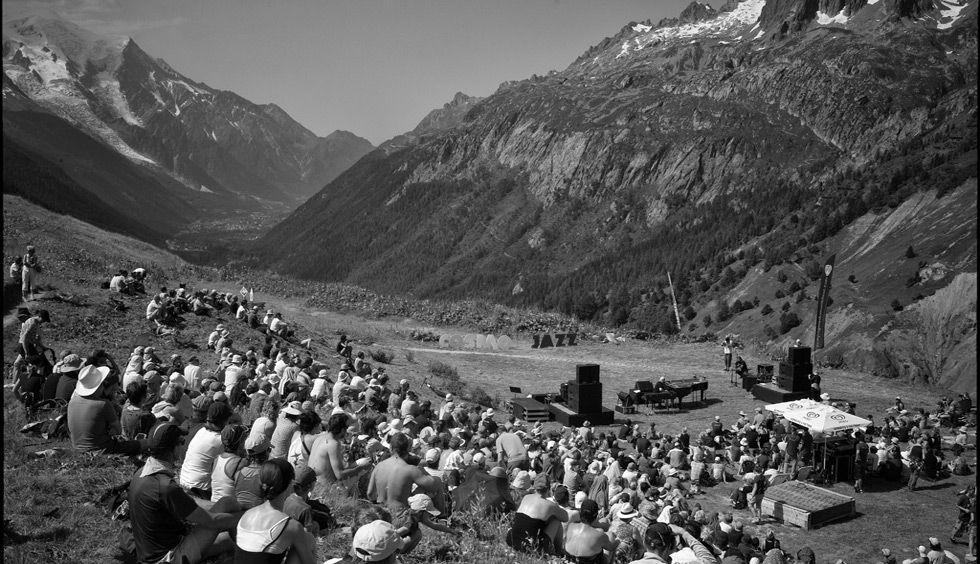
(569, 418)
(806, 506)
(771, 393)
(531, 410)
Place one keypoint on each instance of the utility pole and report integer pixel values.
(673, 297)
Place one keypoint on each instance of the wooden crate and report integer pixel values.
(806, 506)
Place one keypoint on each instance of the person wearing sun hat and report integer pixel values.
(92, 419)
(630, 542)
(68, 376)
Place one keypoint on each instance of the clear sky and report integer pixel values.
(372, 67)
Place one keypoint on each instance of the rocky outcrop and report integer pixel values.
(936, 340)
(782, 17)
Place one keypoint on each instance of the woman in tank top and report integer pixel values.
(228, 463)
(265, 533)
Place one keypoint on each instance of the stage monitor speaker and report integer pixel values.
(587, 373)
(798, 355)
(585, 398)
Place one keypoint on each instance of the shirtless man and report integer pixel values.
(327, 454)
(391, 483)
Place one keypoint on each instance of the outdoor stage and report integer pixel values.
(798, 503)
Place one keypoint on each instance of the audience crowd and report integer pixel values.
(244, 445)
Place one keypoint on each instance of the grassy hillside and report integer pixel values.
(81, 532)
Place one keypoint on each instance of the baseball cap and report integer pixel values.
(164, 437)
(376, 541)
(422, 502)
(257, 443)
(433, 455)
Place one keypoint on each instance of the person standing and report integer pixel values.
(726, 347)
(29, 271)
(966, 510)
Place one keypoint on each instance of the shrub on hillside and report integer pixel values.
(382, 356)
(781, 277)
(707, 320)
(780, 294)
(410, 356)
(852, 279)
(896, 305)
(689, 313)
(724, 312)
(424, 336)
(813, 270)
(794, 287)
(449, 376)
(786, 306)
(788, 321)
(771, 332)
(801, 296)
(479, 396)
(910, 252)
(766, 309)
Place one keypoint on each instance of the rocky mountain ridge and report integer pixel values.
(193, 139)
(759, 130)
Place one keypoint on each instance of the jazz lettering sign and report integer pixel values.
(553, 340)
(476, 342)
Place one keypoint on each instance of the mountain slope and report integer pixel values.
(203, 147)
(760, 129)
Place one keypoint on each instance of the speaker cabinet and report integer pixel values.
(587, 373)
(798, 355)
(794, 377)
(585, 398)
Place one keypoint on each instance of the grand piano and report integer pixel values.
(684, 388)
(644, 391)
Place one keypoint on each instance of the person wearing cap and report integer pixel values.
(585, 542)
(159, 509)
(229, 462)
(298, 504)
(247, 484)
(203, 450)
(265, 532)
(377, 542)
(392, 481)
(92, 417)
(538, 522)
(327, 455)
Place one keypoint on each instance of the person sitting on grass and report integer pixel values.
(587, 543)
(159, 509)
(538, 521)
(663, 541)
(93, 419)
(203, 450)
(378, 542)
(266, 534)
(392, 481)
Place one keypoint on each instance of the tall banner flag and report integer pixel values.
(822, 295)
